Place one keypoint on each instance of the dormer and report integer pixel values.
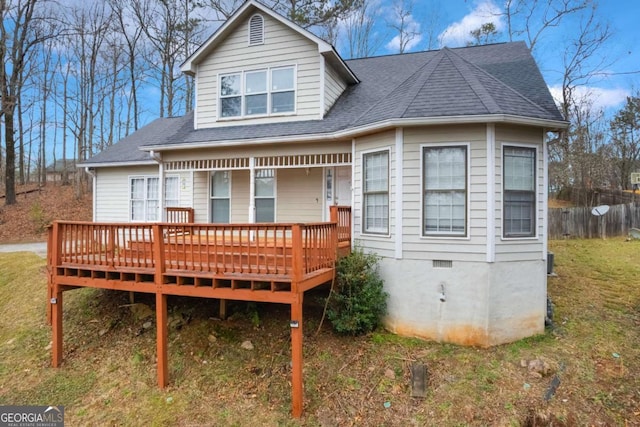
(259, 67)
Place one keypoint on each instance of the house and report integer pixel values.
(62, 170)
(441, 155)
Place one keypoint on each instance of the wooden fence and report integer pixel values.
(579, 222)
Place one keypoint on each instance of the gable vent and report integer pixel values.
(256, 30)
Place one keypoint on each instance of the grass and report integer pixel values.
(108, 376)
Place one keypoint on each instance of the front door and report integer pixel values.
(337, 187)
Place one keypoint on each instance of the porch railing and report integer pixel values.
(178, 214)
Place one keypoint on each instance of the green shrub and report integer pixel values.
(358, 302)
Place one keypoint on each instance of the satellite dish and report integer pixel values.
(600, 210)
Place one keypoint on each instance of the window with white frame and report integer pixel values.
(220, 196)
(519, 198)
(257, 92)
(375, 192)
(265, 195)
(445, 190)
(143, 196)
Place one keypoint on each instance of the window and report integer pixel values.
(519, 191)
(144, 200)
(256, 30)
(445, 190)
(257, 92)
(220, 197)
(265, 200)
(375, 195)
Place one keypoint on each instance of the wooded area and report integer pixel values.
(79, 76)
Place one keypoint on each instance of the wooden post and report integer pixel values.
(56, 329)
(223, 309)
(162, 339)
(297, 257)
(161, 307)
(297, 388)
(333, 213)
(50, 272)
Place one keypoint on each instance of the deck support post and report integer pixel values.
(297, 389)
(55, 304)
(162, 339)
(223, 309)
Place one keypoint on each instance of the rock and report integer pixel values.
(103, 331)
(141, 311)
(389, 373)
(538, 366)
(147, 325)
(247, 345)
(523, 363)
(212, 338)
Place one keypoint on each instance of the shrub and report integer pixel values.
(358, 302)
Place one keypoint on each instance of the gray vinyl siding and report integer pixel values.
(523, 249)
(470, 248)
(333, 87)
(282, 46)
(382, 245)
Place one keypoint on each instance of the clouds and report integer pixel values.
(459, 33)
(599, 97)
(404, 23)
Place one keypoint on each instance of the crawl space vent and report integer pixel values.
(442, 263)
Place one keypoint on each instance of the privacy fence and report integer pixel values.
(579, 222)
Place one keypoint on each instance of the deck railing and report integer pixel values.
(178, 214)
(273, 249)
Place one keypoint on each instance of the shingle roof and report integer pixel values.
(498, 79)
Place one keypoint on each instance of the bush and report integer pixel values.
(357, 304)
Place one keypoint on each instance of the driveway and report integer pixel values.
(39, 248)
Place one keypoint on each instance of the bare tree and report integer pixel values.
(486, 34)
(625, 141)
(402, 22)
(360, 34)
(20, 31)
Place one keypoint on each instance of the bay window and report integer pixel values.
(519, 198)
(375, 194)
(445, 190)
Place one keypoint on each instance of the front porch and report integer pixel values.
(273, 263)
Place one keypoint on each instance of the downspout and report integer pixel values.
(399, 196)
(94, 186)
(158, 158)
(491, 192)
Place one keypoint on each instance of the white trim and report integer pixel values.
(491, 192)
(195, 101)
(119, 164)
(361, 130)
(447, 236)
(399, 193)
(536, 191)
(252, 190)
(323, 70)
(363, 232)
(161, 201)
(545, 194)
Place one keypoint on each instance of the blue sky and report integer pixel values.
(456, 18)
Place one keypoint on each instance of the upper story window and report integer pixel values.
(519, 164)
(257, 92)
(256, 30)
(445, 190)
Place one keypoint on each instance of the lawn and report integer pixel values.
(591, 354)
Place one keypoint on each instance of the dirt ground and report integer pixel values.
(36, 208)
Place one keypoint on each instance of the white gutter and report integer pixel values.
(94, 186)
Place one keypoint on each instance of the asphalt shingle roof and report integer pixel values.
(480, 80)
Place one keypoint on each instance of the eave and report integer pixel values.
(550, 125)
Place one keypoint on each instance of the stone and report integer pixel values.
(147, 325)
(247, 345)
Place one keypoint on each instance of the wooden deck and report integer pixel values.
(251, 262)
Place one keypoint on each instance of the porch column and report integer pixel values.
(161, 202)
(252, 190)
(297, 389)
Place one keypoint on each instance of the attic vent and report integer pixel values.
(442, 263)
(256, 30)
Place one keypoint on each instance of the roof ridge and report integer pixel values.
(420, 83)
(394, 90)
(478, 88)
(482, 87)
